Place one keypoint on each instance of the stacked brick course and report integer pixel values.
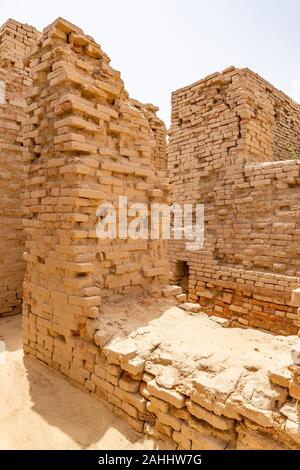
(228, 133)
(15, 40)
(86, 142)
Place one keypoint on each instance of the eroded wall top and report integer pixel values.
(15, 41)
(237, 110)
(233, 143)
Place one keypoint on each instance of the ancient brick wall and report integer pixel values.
(276, 116)
(225, 130)
(87, 142)
(15, 40)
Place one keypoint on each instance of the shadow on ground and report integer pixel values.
(39, 409)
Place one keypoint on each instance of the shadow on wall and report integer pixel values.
(181, 275)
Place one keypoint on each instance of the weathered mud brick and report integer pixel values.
(182, 440)
(129, 385)
(158, 405)
(72, 138)
(169, 420)
(136, 424)
(118, 349)
(218, 422)
(170, 396)
(281, 377)
(86, 142)
(15, 41)
(233, 149)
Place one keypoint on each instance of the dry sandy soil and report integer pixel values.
(40, 410)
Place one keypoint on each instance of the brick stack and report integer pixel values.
(159, 130)
(86, 142)
(15, 40)
(225, 130)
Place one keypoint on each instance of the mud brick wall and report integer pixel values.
(227, 133)
(275, 115)
(86, 142)
(15, 40)
(159, 394)
(159, 131)
(212, 413)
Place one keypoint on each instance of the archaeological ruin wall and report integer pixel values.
(81, 141)
(234, 142)
(272, 133)
(15, 41)
(86, 142)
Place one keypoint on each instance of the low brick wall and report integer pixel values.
(150, 378)
(202, 420)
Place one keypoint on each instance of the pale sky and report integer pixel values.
(162, 45)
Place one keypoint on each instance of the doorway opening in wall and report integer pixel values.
(182, 275)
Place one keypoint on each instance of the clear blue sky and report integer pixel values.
(162, 45)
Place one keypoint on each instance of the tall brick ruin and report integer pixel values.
(15, 42)
(233, 143)
(86, 142)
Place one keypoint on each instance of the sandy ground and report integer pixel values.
(40, 410)
(180, 349)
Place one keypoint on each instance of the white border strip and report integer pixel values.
(2, 352)
(2, 92)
